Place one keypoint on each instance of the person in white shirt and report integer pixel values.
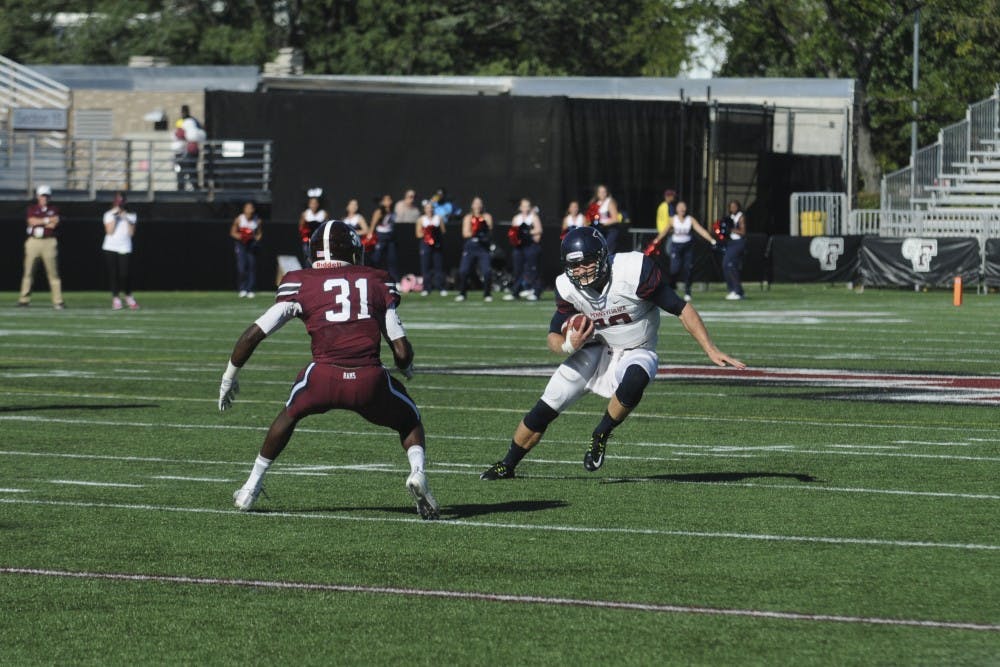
(355, 220)
(119, 228)
(679, 231)
(604, 209)
(430, 230)
(606, 323)
(572, 219)
(525, 235)
(310, 219)
(246, 231)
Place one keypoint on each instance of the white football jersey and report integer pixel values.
(622, 319)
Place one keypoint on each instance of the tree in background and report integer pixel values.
(867, 40)
(871, 42)
(523, 37)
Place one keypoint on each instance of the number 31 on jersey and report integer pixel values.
(341, 288)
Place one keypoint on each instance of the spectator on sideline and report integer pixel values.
(311, 218)
(666, 211)
(384, 255)
(406, 208)
(573, 218)
(604, 209)
(525, 236)
(246, 231)
(354, 219)
(119, 228)
(430, 230)
(682, 246)
(443, 206)
(732, 260)
(188, 137)
(41, 244)
(477, 230)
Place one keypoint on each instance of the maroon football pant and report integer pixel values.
(369, 391)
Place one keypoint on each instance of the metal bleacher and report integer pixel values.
(952, 187)
(85, 169)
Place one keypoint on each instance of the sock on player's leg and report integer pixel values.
(415, 453)
(608, 424)
(260, 467)
(514, 455)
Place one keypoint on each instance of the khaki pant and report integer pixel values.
(45, 250)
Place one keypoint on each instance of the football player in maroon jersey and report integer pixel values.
(347, 309)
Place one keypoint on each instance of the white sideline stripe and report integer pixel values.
(861, 541)
(500, 597)
(191, 479)
(317, 470)
(333, 432)
(936, 444)
(786, 422)
(865, 446)
(78, 482)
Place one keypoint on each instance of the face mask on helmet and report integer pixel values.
(585, 258)
(335, 241)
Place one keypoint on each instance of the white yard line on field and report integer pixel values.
(79, 482)
(463, 523)
(436, 466)
(520, 411)
(478, 596)
(180, 478)
(932, 443)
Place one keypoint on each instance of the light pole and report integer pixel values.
(913, 124)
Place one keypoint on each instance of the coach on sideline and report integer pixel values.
(41, 245)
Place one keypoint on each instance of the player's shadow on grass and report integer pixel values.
(714, 477)
(37, 408)
(456, 511)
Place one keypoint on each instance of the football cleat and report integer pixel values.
(416, 484)
(245, 498)
(594, 458)
(498, 470)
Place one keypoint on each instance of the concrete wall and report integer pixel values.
(128, 107)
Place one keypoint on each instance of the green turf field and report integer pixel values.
(734, 522)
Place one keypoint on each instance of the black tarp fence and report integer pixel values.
(804, 259)
(364, 145)
(915, 261)
(991, 262)
(551, 150)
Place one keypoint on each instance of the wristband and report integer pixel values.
(231, 371)
(567, 346)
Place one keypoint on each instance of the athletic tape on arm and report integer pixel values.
(276, 316)
(393, 325)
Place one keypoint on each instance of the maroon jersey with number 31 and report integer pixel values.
(344, 311)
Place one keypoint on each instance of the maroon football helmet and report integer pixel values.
(335, 240)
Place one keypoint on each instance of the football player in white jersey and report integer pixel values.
(614, 353)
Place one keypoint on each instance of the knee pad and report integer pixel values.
(634, 382)
(540, 416)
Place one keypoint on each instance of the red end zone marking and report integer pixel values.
(903, 387)
(498, 597)
(835, 377)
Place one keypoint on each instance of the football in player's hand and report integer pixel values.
(576, 323)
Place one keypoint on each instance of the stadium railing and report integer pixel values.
(82, 168)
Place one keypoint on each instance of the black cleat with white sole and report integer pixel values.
(594, 458)
(498, 470)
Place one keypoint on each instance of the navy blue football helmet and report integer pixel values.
(585, 245)
(336, 240)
